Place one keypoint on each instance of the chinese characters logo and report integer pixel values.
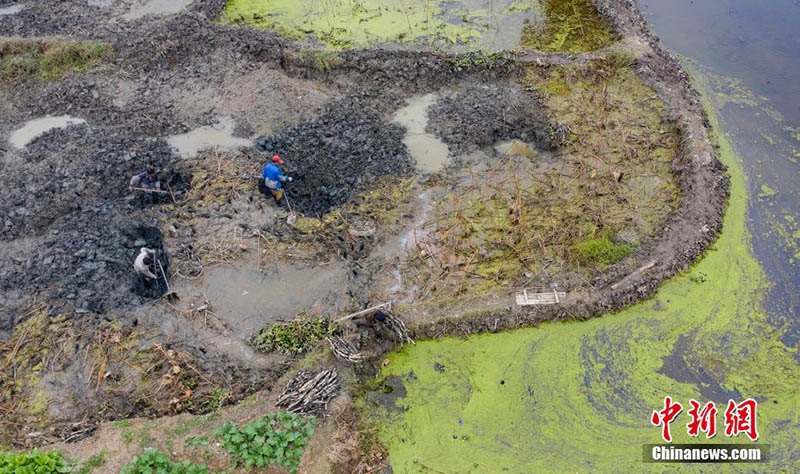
(738, 418)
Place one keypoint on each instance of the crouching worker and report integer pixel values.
(274, 177)
(143, 264)
(372, 320)
(148, 184)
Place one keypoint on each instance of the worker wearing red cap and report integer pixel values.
(274, 177)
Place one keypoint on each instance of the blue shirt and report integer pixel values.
(273, 173)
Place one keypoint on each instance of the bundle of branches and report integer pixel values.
(309, 393)
(344, 351)
(398, 327)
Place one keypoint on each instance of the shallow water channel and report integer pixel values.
(428, 150)
(577, 397)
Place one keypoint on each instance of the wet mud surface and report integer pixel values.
(481, 116)
(70, 229)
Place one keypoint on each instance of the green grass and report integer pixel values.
(601, 251)
(570, 25)
(92, 462)
(122, 424)
(48, 59)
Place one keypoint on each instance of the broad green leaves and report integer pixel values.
(152, 461)
(278, 438)
(34, 462)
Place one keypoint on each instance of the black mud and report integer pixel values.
(347, 146)
(85, 262)
(480, 116)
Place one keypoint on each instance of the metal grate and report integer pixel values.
(533, 296)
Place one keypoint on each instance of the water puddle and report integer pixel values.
(219, 135)
(155, 7)
(430, 152)
(249, 299)
(32, 129)
(11, 10)
(516, 148)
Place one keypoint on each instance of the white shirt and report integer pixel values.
(141, 267)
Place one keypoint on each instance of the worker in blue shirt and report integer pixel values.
(274, 177)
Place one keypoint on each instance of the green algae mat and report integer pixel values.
(499, 24)
(578, 397)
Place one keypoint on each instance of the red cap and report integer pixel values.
(277, 159)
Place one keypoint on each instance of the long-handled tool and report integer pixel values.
(171, 295)
(149, 190)
(292, 216)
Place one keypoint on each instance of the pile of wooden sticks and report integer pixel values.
(398, 327)
(309, 393)
(344, 351)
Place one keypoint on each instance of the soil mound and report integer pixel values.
(328, 157)
(68, 169)
(86, 260)
(479, 116)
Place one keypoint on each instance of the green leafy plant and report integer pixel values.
(33, 462)
(152, 461)
(293, 337)
(601, 251)
(278, 438)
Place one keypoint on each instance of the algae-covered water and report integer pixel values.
(576, 397)
(348, 23)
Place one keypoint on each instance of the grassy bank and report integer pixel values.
(48, 59)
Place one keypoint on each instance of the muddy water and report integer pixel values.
(34, 128)
(248, 299)
(142, 8)
(516, 148)
(577, 397)
(218, 135)
(11, 9)
(428, 150)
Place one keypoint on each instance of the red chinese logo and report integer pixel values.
(739, 418)
(665, 417)
(703, 419)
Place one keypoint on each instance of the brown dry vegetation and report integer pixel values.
(115, 369)
(523, 221)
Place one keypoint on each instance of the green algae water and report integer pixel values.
(577, 397)
(549, 25)
(351, 23)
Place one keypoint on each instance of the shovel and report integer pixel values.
(292, 216)
(171, 295)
